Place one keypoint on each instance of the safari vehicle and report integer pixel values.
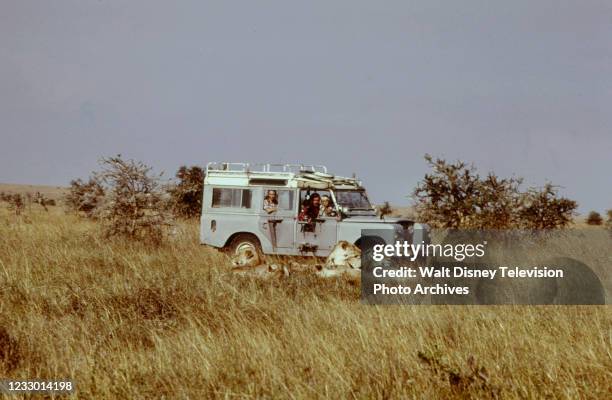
(262, 207)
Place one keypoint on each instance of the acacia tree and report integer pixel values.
(497, 202)
(446, 197)
(544, 209)
(187, 193)
(134, 204)
(454, 196)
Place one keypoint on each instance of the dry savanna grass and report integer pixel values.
(126, 320)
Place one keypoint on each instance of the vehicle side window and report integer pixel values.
(285, 200)
(234, 198)
(277, 200)
(316, 204)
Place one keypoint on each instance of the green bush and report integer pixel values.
(594, 218)
(188, 191)
(84, 197)
(454, 196)
(134, 203)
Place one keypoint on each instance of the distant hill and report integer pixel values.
(51, 192)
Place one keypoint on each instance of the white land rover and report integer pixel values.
(292, 209)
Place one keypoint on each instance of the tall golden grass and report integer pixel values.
(126, 320)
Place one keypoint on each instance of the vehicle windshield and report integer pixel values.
(353, 199)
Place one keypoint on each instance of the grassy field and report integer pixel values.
(125, 320)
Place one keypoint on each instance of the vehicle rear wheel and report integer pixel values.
(243, 242)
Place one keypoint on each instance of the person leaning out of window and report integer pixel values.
(327, 207)
(270, 203)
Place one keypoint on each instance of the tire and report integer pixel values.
(243, 241)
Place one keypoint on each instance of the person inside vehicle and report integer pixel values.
(310, 208)
(327, 208)
(270, 203)
(303, 210)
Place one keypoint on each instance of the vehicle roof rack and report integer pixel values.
(293, 175)
(243, 167)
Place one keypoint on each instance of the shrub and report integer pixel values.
(496, 203)
(594, 218)
(39, 198)
(16, 203)
(445, 198)
(543, 209)
(84, 197)
(134, 202)
(187, 193)
(454, 196)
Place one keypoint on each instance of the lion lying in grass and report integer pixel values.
(249, 263)
(344, 260)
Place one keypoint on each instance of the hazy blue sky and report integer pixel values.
(517, 87)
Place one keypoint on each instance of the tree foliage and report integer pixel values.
(84, 197)
(544, 209)
(455, 196)
(594, 218)
(188, 191)
(134, 204)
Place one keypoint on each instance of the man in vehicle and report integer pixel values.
(310, 208)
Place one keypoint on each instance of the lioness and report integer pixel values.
(263, 271)
(344, 254)
(246, 258)
(351, 273)
(249, 263)
(344, 260)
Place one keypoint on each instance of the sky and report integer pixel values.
(520, 88)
